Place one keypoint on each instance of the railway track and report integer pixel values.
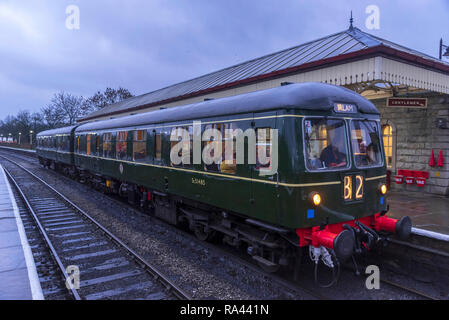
(282, 281)
(108, 268)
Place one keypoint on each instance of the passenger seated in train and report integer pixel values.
(331, 155)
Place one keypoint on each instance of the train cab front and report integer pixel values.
(346, 199)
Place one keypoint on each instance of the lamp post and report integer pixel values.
(31, 137)
(446, 53)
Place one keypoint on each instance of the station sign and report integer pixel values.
(407, 102)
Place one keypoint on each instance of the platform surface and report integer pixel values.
(31, 151)
(428, 212)
(18, 275)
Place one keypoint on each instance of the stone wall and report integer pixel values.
(415, 134)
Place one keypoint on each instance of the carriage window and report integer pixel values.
(107, 145)
(212, 145)
(67, 143)
(366, 143)
(158, 147)
(83, 144)
(264, 148)
(325, 144)
(139, 145)
(89, 144)
(97, 145)
(185, 152)
(77, 144)
(120, 146)
(229, 155)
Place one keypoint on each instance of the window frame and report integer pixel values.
(261, 168)
(382, 152)
(392, 166)
(119, 134)
(348, 145)
(111, 145)
(158, 134)
(143, 141)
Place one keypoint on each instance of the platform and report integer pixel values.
(29, 151)
(18, 275)
(429, 213)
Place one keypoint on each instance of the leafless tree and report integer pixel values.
(67, 106)
(102, 99)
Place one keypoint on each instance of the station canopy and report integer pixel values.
(369, 65)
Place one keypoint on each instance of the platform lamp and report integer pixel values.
(442, 47)
(20, 134)
(31, 137)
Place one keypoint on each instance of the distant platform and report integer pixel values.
(18, 275)
(429, 213)
(19, 149)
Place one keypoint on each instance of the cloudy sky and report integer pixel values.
(144, 45)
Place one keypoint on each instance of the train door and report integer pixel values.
(265, 169)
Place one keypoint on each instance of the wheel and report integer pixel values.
(202, 235)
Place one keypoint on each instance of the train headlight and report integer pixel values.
(383, 189)
(316, 198)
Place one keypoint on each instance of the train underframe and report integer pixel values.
(270, 246)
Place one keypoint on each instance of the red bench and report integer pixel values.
(410, 176)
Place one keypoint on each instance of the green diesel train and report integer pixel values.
(305, 167)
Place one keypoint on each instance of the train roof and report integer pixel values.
(300, 96)
(63, 130)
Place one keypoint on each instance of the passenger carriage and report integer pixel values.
(324, 184)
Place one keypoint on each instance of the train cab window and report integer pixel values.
(158, 147)
(325, 144)
(120, 146)
(107, 145)
(139, 145)
(264, 149)
(366, 143)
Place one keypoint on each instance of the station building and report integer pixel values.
(411, 90)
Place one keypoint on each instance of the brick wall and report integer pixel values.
(416, 134)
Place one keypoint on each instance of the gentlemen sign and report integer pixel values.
(407, 102)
